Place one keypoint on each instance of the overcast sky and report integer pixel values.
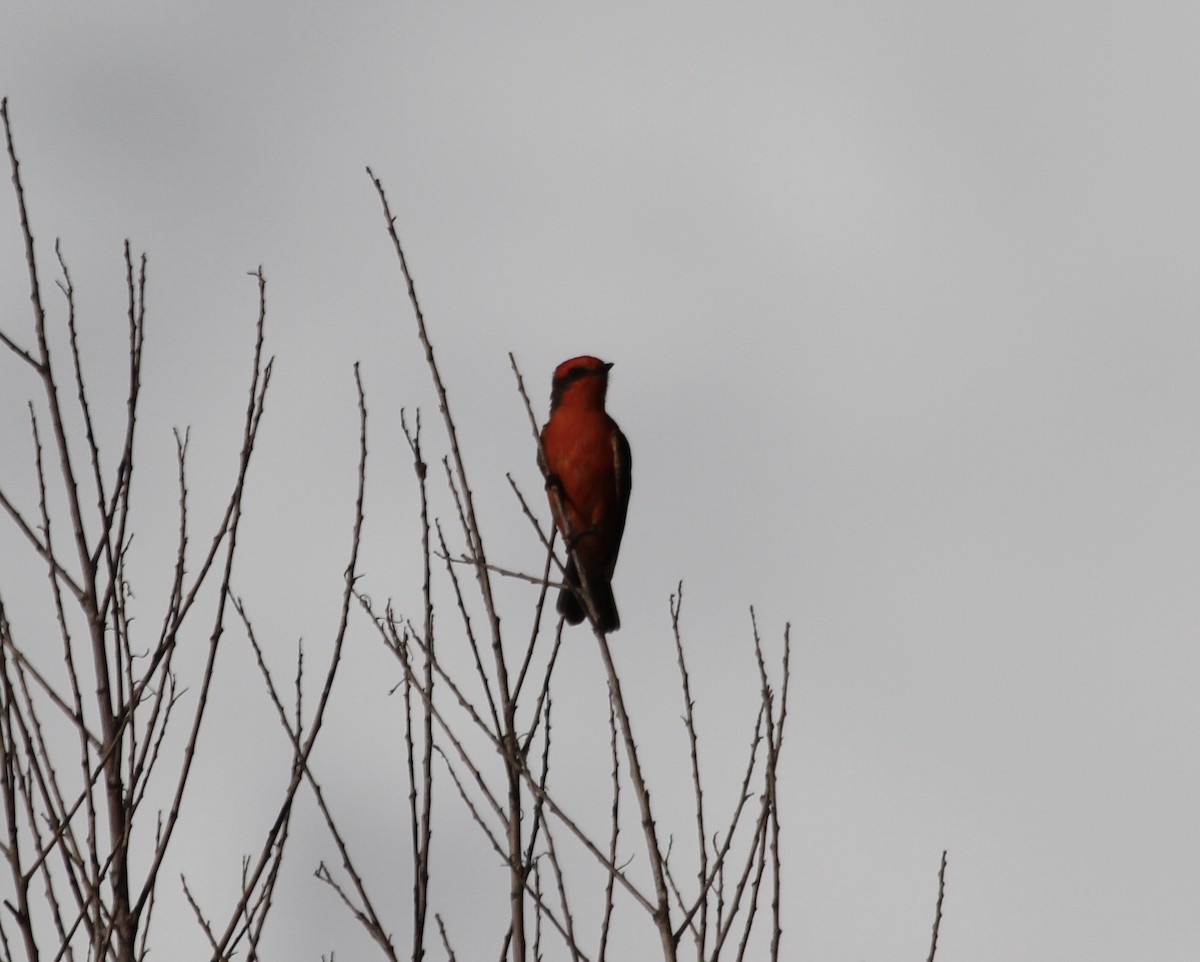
(904, 309)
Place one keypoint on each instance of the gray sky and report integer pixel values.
(903, 305)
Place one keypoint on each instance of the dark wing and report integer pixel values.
(623, 460)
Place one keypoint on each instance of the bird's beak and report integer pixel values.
(606, 367)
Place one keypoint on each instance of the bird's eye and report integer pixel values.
(577, 371)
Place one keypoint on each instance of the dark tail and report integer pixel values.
(570, 605)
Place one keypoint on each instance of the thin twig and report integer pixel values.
(422, 820)
(30, 257)
(937, 918)
(445, 939)
(689, 721)
(614, 830)
(474, 534)
(255, 405)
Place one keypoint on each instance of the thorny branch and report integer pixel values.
(937, 916)
(72, 829)
(69, 826)
(498, 809)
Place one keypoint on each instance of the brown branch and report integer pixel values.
(531, 782)
(544, 694)
(118, 505)
(775, 729)
(614, 831)
(227, 534)
(662, 910)
(294, 729)
(9, 791)
(422, 821)
(472, 808)
(85, 410)
(472, 642)
(35, 294)
(474, 534)
(937, 918)
(42, 548)
(542, 581)
(676, 604)
(716, 873)
(529, 649)
(302, 752)
(444, 406)
(445, 940)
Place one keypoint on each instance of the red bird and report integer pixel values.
(587, 466)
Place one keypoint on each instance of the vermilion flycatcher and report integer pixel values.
(587, 466)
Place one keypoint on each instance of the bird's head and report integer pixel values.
(581, 380)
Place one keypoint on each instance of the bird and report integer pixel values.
(588, 470)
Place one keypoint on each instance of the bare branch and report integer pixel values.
(445, 940)
(614, 831)
(690, 724)
(510, 752)
(937, 918)
(422, 821)
(227, 534)
(35, 295)
(303, 751)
